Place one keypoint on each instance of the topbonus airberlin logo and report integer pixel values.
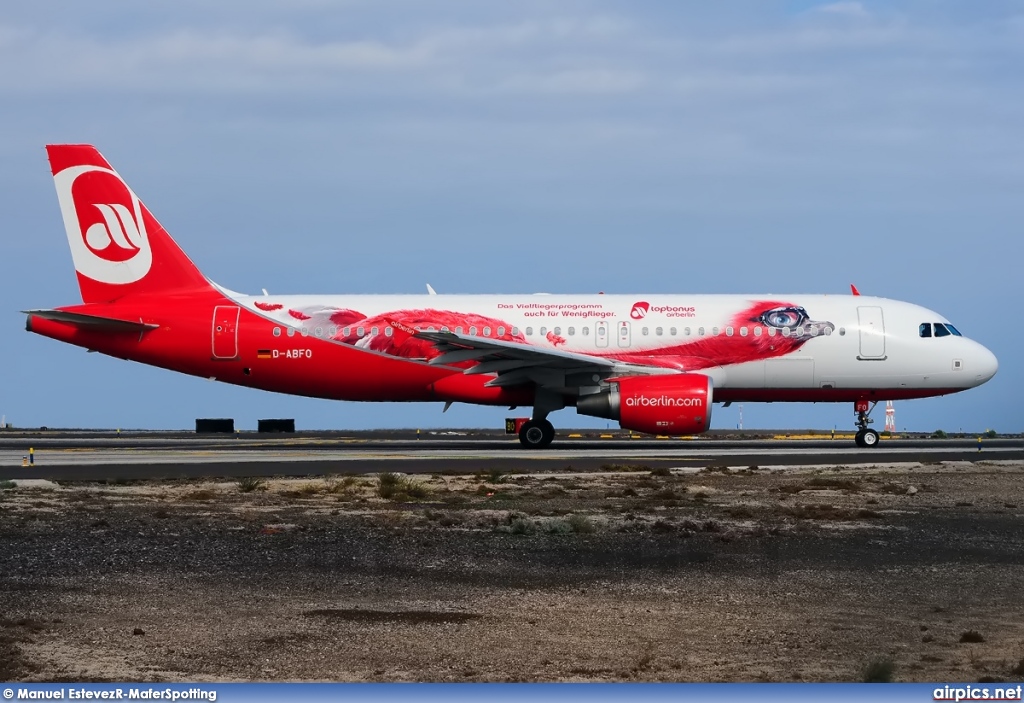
(639, 310)
(104, 224)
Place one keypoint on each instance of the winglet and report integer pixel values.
(853, 289)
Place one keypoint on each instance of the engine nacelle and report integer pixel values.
(670, 405)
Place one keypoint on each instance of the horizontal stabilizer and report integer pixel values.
(93, 323)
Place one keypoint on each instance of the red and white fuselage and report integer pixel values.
(146, 301)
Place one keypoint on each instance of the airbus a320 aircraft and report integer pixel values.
(654, 363)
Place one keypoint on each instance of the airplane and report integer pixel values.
(654, 363)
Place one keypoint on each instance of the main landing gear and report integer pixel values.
(536, 434)
(866, 437)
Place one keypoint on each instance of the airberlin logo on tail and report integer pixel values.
(639, 310)
(117, 237)
(104, 224)
(663, 401)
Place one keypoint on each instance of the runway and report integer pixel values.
(137, 457)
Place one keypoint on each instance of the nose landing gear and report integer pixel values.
(866, 437)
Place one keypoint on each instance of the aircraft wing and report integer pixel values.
(515, 363)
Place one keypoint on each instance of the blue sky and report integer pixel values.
(577, 146)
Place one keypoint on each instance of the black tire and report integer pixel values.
(869, 439)
(859, 438)
(536, 434)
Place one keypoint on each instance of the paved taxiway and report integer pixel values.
(68, 457)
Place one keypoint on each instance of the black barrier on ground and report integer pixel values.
(207, 425)
(278, 425)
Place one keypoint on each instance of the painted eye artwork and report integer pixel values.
(784, 317)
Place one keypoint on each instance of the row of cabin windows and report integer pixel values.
(701, 332)
(941, 330)
(332, 331)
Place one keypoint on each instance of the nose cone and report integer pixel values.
(984, 364)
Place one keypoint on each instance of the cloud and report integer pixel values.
(846, 9)
(576, 82)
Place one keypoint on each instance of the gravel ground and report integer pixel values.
(720, 575)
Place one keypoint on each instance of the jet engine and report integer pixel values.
(669, 405)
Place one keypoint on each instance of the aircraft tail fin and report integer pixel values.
(118, 247)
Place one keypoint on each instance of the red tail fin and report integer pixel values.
(118, 247)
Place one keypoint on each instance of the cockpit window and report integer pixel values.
(925, 330)
(940, 330)
(954, 330)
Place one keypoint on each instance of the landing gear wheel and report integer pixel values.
(536, 434)
(868, 438)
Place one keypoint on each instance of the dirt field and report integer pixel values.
(722, 575)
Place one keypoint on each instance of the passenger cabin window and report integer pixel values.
(729, 331)
(487, 331)
(645, 331)
(572, 331)
(743, 331)
(925, 330)
(543, 331)
(277, 331)
(757, 332)
(529, 331)
(388, 331)
(472, 331)
(458, 330)
(658, 331)
(672, 331)
(586, 331)
(515, 331)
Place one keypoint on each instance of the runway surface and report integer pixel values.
(88, 457)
